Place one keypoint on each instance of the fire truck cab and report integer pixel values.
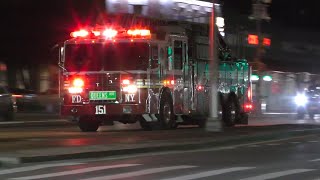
(159, 78)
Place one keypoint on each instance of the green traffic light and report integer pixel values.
(267, 78)
(254, 77)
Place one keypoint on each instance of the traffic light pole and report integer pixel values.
(213, 123)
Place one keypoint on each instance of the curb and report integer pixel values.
(91, 153)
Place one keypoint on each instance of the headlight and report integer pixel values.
(301, 99)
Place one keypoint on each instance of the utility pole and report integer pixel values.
(259, 14)
(213, 122)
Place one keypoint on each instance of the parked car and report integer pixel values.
(24, 99)
(7, 106)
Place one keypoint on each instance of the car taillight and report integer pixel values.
(77, 86)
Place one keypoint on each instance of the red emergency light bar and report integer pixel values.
(80, 33)
(139, 32)
(110, 33)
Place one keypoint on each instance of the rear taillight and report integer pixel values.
(77, 86)
(248, 107)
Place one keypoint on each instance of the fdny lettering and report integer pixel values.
(76, 99)
(129, 97)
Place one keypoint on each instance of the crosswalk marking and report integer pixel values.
(210, 173)
(35, 167)
(140, 173)
(77, 171)
(278, 174)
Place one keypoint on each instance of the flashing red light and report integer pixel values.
(253, 39)
(77, 86)
(109, 33)
(78, 82)
(266, 41)
(126, 81)
(248, 107)
(200, 88)
(169, 82)
(80, 33)
(96, 33)
(139, 32)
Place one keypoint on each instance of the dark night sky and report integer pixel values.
(29, 28)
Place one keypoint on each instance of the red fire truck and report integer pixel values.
(159, 78)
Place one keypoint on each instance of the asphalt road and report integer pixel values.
(290, 159)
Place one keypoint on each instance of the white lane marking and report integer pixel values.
(35, 167)
(278, 174)
(273, 144)
(210, 173)
(77, 171)
(140, 173)
(295, 142)
(314, 160)
(253, 146)
(313, 141)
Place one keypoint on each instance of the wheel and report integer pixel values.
(231, 111)
(167, 118)
(147, 126)
(88, 124)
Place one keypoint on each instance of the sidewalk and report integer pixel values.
(230, 137)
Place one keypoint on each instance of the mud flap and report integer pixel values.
(243, 119)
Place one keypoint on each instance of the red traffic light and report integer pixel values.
(266, 42)
(253, 39)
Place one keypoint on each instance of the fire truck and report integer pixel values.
(159, 77)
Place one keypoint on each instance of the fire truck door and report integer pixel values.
(187, 86)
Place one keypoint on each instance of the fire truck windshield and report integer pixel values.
(108, 56)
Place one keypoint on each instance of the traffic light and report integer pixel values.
(267, 78)
(266, 42)
(253, 39)
(254, 77)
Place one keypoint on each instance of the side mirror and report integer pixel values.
(61, 53)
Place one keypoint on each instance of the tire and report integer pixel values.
(147, 126)
(166, 116)
(231, 111)
(88, 124)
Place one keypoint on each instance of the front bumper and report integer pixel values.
(110, 109)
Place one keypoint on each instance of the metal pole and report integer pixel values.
(213, 122)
